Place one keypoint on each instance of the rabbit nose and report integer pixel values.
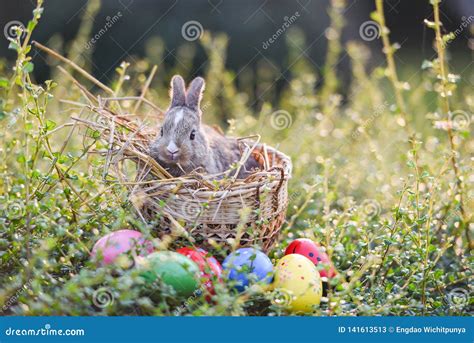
(172, 148)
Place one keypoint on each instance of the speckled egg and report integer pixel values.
(297, 278)
(315, 253)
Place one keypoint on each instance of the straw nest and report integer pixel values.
(225, 211)
(209, 210)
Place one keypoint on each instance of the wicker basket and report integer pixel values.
(248, 212)
(229, 212)
(237, 213)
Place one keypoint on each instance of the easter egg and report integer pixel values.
(246, 266)
(207, 264)
(315, 253)
(108, 248)
(298, 280)
(173, 269)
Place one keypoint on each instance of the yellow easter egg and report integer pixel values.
(297, 283)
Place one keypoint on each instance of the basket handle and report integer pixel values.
(280, 184)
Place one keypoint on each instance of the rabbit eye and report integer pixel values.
(192, 135)
(161, 132)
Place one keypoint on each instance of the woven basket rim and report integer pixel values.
(257, 179)
(194, 201)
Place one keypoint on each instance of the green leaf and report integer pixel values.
(28, 67)
(375, 16)
(38, 11)
(426, 64)
(50, 125)
(36, 174)
(31, 26)
(425, 174)
(96, 134)
(430, 24)
(21, 159)
(13, 46)
(4, 82)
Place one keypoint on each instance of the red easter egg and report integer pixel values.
(315, 253)
(208, 265)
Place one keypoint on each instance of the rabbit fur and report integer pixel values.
(184, 144)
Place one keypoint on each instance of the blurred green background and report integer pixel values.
(153, 29)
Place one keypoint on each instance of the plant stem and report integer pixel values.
(392, 70)
(440, 48)
(393, 229)
(334, 48)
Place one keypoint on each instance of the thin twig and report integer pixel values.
(73, 65)
(146, 101)
(145, 88)
(88, 95)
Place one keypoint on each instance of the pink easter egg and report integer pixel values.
(109, 247)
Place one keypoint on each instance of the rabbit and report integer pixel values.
(184, 144)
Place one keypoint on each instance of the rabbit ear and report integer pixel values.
(194, 94)
(177, 92)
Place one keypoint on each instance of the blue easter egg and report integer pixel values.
(246, 266)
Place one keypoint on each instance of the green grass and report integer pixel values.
(383, 180)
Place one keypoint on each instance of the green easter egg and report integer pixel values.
(173, 269)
